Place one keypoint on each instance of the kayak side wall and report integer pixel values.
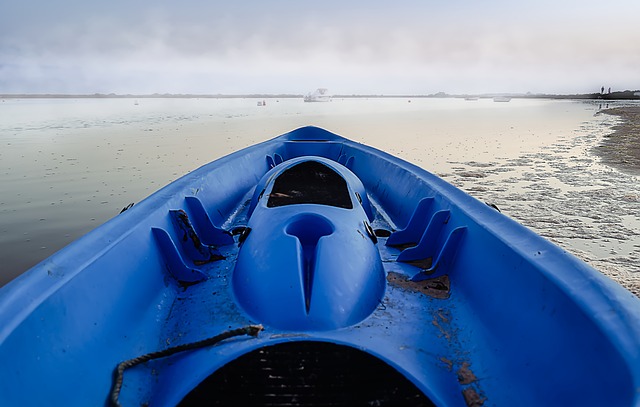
(105, 297)
(499, 272)
(534, 332)
(503, 257)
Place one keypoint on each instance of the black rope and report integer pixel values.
(118, 374)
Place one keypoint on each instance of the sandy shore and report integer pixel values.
(621, 149)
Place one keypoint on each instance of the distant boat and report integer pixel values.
(320, 95)
(501, 99)
(471, 98)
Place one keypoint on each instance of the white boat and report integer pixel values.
(320, 95)
(501, 99)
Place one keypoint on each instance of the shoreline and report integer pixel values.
(621, 148)
(612, 96)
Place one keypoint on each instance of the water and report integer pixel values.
(68, 165)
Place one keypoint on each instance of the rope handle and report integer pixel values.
(118, 374)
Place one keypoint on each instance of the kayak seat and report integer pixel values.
(310, 373)
(310, 182)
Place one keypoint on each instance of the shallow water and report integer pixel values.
(67, 166)
(565, 194)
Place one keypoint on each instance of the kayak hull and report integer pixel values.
(465, 305)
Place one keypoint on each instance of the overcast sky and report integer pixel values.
(295, 46)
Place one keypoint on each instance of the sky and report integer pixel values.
(350, 47)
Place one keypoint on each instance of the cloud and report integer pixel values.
(412, 47)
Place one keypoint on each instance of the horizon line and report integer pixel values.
(594, 95)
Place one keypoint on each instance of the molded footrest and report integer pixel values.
(413, 231)
(192, 245)
(447, 255)
(206, 228)
(427, 247)
(173, 260)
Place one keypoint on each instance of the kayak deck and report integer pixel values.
(431, 342)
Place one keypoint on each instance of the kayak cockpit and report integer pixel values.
(310, 182)
(309, 373)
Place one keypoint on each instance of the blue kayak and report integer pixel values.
(313, 270)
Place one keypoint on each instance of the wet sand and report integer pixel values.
(621, 149)
(580, 192)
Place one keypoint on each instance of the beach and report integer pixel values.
(621, 149)
(67, 166)
(579, 191)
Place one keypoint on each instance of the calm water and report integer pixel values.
(66, 166)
